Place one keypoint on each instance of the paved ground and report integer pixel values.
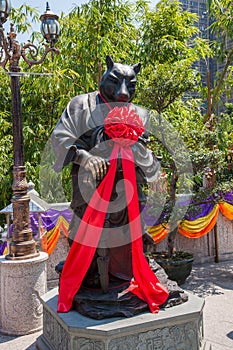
(212, 281)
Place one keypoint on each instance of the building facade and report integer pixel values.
(215, 68)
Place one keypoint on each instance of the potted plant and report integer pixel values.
(178, 265)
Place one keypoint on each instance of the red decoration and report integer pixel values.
(123, 125)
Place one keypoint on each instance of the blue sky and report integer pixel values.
(56, 6)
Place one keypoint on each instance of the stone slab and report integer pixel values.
(177, 328)
(22, 283)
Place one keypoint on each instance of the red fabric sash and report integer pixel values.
(145, 284)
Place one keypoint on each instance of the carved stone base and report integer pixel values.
(179, 327)
(22, 282)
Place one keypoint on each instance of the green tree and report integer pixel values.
(170, 46)
(168, 59)
(164, 39)
(88, 34)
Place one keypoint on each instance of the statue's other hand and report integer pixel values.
(97, 166)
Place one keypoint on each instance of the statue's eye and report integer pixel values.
(114, 81)
(131, 85)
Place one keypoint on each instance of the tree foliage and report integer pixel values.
(164, 39)
(166, 32)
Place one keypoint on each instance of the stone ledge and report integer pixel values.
(180, 327)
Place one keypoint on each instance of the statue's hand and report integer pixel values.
(96, 165)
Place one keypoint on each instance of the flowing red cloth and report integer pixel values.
(145, 285)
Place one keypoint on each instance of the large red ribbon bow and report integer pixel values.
(124, 127)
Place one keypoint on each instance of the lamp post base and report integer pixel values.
(22, 246)
(22, 257)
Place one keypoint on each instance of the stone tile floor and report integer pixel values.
(214, 282)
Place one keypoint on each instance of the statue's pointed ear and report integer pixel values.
(136, 67)
(109, 62)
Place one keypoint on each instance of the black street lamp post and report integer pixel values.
(22, 245)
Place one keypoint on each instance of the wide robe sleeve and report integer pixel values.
(67, 134)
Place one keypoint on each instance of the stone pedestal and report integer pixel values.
(22, 282)
(176, 328)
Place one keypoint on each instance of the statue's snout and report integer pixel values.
(123, 93)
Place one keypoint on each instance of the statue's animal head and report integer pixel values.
(119, 81)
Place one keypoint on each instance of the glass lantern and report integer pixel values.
(50, 27)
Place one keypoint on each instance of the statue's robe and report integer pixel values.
(81, 127)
